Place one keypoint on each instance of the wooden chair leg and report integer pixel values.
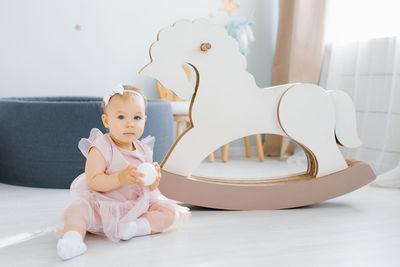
(247, 146)
(225, 153)
(179, 129)
(211, 157)
(260, 150)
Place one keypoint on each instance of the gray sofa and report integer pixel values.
(39, 137)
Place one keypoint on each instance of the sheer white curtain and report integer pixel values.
(369, 70)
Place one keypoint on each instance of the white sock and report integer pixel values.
(139, 227)
(144, 227)
(70, 245)
(128, 231)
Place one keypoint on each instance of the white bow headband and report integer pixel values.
(119, 89)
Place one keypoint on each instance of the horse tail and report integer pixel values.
(345, 119)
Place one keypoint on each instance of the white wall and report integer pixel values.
(41, 53)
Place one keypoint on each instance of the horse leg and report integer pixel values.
(334, 162)
(187, 153)
(307, 115)
(324, 160)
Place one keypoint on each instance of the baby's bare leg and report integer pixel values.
(160, 217)
(76, 218)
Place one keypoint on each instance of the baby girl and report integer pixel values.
(110, 198)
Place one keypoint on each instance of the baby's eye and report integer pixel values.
(137, 118)
(121, 117)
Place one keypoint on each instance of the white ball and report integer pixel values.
(149, 171)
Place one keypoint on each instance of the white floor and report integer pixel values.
(359, 229)
(239, 167)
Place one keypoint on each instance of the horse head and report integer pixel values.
(198, 44)
(171, 75)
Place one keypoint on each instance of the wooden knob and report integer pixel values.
(205, 46)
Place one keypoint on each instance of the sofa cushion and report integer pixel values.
(39, 137)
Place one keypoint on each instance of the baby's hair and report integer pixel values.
(127, 87)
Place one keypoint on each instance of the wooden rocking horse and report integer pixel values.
(224, 94)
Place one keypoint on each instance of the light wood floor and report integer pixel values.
(359, 229)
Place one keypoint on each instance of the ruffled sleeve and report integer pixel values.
(146, 147)
(96, 139)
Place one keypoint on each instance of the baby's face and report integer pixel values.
(125, 118)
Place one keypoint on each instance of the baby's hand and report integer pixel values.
(130, 176)
(156, 183)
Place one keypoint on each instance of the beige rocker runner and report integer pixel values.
(225, 94)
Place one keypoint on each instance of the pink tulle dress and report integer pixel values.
(107, 212)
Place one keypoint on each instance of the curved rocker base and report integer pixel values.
(256, 194)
